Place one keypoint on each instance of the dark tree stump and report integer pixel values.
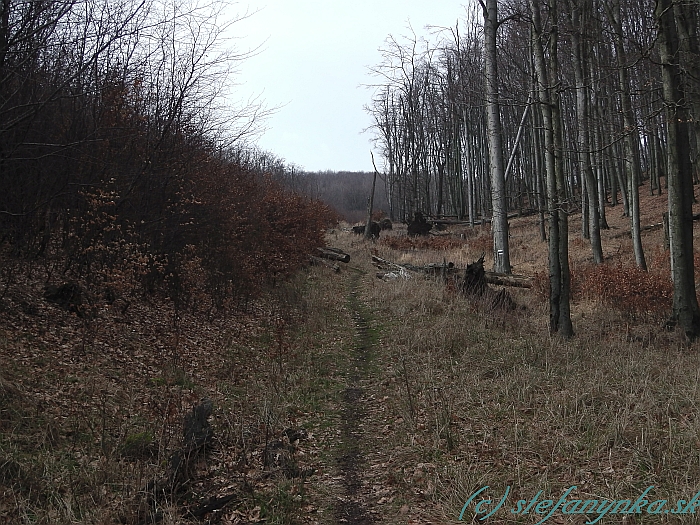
(474, 284)
(197, 433)
(419, 226)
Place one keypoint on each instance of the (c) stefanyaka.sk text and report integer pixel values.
(596, 508)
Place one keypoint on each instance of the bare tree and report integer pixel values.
(499, 221)
(559, 302)
(680, 178)
(578, 11)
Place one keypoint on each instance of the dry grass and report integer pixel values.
(482, 397)
(458, 395)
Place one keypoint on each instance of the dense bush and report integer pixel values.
(119, 167)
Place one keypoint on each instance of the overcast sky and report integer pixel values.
(314, 62)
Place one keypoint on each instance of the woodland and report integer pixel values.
(549, 108)
(171, 351)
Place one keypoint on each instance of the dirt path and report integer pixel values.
(351, 506)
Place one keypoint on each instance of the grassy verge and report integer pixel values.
(486, 397)
(88, 431)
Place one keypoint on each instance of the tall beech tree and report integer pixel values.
(631, 135)
(680, 177)
(559, 279)
(579, 11)
(499, 220)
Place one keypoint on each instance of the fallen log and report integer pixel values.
(334, 254)
(316, 261)
(650, 227)
(505, 279)
(392, 276)
(501, 279)
(379, 262)
(450, 221)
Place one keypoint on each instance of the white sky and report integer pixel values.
(314, 61)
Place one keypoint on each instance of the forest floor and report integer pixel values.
(341, 398)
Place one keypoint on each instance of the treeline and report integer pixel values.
(121, 165)
(346, 192)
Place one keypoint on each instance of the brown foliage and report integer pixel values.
(622, 286)
(159, 213)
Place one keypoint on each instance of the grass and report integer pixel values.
(490, 398)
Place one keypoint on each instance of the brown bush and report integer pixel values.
(622, 286)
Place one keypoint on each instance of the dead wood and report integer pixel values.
(650, 227)
(419, 226)
(317, 261)
(474, 284)
(500, 279)
(334, 254)
(504, 279)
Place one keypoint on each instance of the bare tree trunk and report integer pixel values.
(686, 16)
(612, 9)
(559, 307)
(679, 176)
(584, 150)
(537, 166)
(499, 224)
(370, 207)
(565, 327)
(597, 146)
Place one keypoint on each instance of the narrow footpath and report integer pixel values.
(351, 506)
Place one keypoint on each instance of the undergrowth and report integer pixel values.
(622, 286)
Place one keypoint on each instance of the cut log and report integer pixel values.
(504, 279)
(317, 261)
(334, 254)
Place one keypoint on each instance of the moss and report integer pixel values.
(138, 445)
